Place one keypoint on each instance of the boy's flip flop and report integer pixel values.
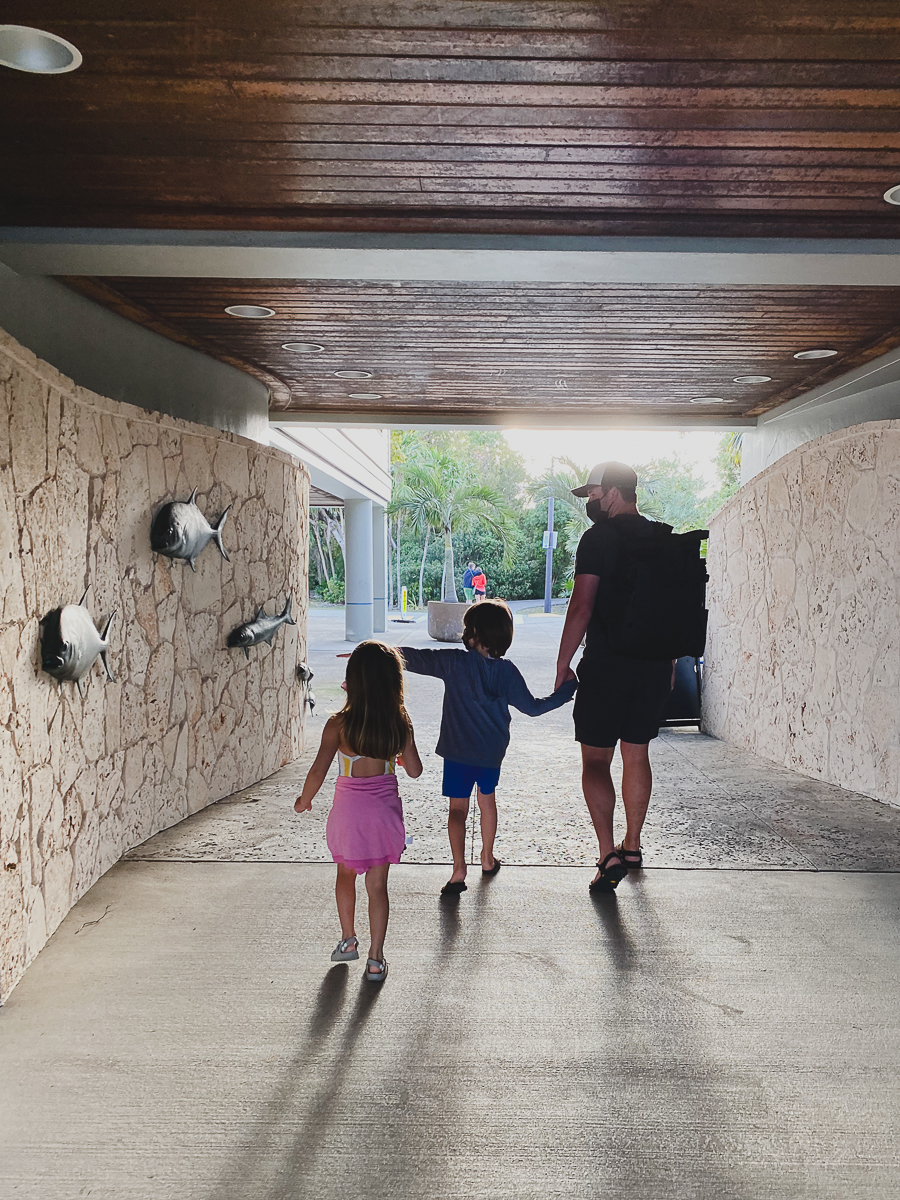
(494, 869)
(453, 889)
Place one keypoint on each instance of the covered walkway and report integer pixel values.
(725, 1027)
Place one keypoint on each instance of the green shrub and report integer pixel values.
(333, 591)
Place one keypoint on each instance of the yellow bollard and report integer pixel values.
(403, 600)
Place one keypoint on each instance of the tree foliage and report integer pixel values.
(461, 496)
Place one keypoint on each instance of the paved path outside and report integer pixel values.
(728, 1032)
(713, 805)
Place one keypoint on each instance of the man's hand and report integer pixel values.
(301, 805)
(563, 675)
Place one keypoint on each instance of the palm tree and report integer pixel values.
(440, 497)
(570, 510)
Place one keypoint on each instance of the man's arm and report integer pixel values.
(578, 615)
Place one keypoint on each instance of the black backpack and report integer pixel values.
(659, 610)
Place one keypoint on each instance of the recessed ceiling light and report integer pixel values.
(892, 195)
(353, 374)
(34, 50)
(365, 396)
(752, 379)
(707, 400)
(303, 347)
(254, 311)
(804, 355)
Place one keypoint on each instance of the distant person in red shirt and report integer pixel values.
(479, 585)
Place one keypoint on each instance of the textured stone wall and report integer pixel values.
(803, 661)
(187, 720)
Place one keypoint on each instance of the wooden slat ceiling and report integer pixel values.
(507, 351)
(702, 117)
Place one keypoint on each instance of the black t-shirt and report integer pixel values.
(599, 553)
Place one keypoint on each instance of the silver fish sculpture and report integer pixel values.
(304, 674)
(180, 530)
(70, 643)
(261, 629)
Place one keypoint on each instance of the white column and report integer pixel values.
(379, 568)
(358, 570)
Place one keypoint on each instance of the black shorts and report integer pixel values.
(620, 699)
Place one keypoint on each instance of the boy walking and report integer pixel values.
(479, 687)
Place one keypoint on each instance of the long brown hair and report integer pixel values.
(374, 720)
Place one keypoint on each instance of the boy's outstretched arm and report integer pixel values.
(520, 696)
(427, 662)
(331, 736)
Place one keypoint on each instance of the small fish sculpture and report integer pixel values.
(261, 629)
(180, 530)
(70, 643)
(304, 674)
(311, 701)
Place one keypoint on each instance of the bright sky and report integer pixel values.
(590, 446)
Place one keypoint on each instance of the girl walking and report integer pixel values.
(370, 735)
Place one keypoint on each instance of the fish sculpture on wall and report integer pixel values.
(180, 530)
(305, 674)
(70, 643)
(260, 629)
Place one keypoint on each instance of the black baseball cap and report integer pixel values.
(607, 475)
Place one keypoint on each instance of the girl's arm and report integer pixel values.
(409, 759)
(331, 736)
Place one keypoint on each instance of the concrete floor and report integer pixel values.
(729, 1030)
(708, 1034)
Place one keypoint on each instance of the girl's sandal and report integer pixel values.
(610, 876)
(376, 976)
(344, 952)
(633, 859)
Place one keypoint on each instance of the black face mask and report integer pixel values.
(594, 511)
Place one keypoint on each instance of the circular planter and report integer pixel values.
(445, 620)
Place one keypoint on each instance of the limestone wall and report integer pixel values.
(187, 720)
(803, 660)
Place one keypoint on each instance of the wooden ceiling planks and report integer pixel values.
(487, 115)
(516, 351)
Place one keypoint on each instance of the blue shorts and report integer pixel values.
(460, 778)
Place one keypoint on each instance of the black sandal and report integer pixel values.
(633, 859)
(610, 876)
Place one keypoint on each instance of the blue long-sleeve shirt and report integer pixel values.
(477, 694)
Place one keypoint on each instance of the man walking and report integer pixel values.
(619, 699)
(467, 582)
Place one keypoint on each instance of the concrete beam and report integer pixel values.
(454, 258)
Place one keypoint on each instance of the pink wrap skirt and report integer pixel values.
(365, 826)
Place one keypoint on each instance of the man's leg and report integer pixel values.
(637, 783)
(599, 793)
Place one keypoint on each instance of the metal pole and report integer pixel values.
(548, 570)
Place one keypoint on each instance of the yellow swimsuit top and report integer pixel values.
(346, 761)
